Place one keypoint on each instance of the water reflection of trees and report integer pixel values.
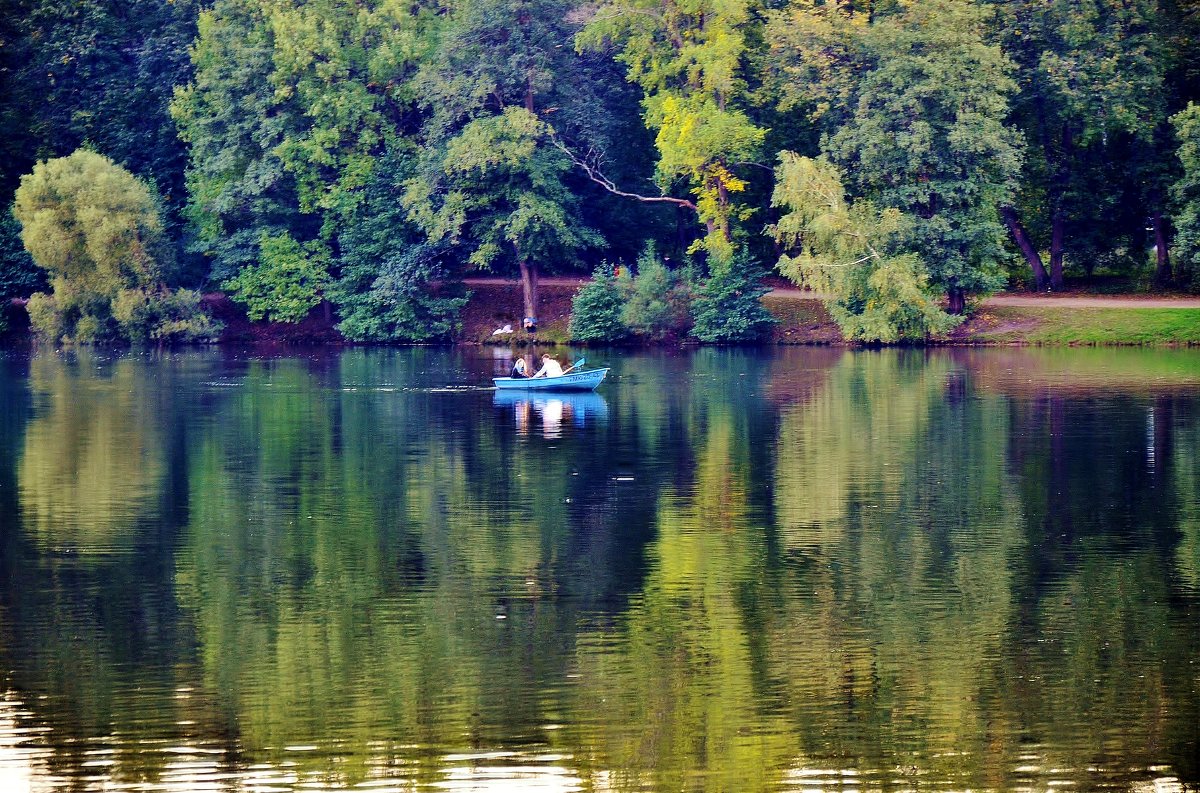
(896, 563)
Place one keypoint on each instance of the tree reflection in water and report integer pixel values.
(727, 570)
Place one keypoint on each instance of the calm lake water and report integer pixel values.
(789, 570)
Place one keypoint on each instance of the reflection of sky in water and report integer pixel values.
(26, 760)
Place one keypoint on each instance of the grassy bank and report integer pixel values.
(801, 320)
(1063, 325)
(804, 320)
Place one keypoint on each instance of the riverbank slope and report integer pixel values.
(1006, 319)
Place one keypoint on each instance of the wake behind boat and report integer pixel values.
(572, 381)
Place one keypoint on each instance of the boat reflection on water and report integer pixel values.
(554, 409)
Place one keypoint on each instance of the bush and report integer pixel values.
(96, 231)
(289, 280)
(389, 299)
(596, 309)
(728, 307)
(44, 316)
(71, 315)
(659, 302)
(163, 317)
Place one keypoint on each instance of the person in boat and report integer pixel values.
(550, 368)
(520, 369)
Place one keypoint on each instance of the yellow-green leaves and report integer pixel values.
(288, 281)
(849, 253)
(687, 57)
(95, 229)
(507, 140)
(90, 221)
(912, 102)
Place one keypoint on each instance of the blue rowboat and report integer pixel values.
(573, 381)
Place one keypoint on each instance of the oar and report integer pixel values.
(580, 362)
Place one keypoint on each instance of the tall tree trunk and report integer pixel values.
(1057, 224)
(529, 289)
(956, 301)
(1162, 255)
(1021, 237)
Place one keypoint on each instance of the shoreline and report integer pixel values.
(1069, 319)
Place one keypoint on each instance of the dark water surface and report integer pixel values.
(725, 571)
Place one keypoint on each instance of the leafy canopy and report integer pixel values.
(1186, 192)
(500, 192)
(90, 223)
(913, 106)
(878, 292)
(289, 280)
(687, 55)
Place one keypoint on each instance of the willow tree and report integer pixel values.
(95, 229)
(912, 101)
(688, 58)
(854, 253)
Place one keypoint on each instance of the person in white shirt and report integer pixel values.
(550, 368)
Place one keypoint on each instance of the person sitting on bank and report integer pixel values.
(550, 368)
(520, 369)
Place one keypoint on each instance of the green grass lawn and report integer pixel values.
(1093, 326)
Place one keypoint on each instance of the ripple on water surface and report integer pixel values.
(724, 571)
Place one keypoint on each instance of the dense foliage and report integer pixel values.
(658, 300)
(371, 154)
(727, 307)
(1187, 194)
(597, 307)
(857, 254)
(97, 232)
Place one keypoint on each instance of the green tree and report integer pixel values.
(1186, 192)
(855, 253)
(493, 178)
(728, 308)
(233, 122)
(96, 230)
(658, 302)
(1091, 82)
(596, 308)
(688, 58)
(289, 280)
(350, 67)
(386, 268)
(913, 101)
